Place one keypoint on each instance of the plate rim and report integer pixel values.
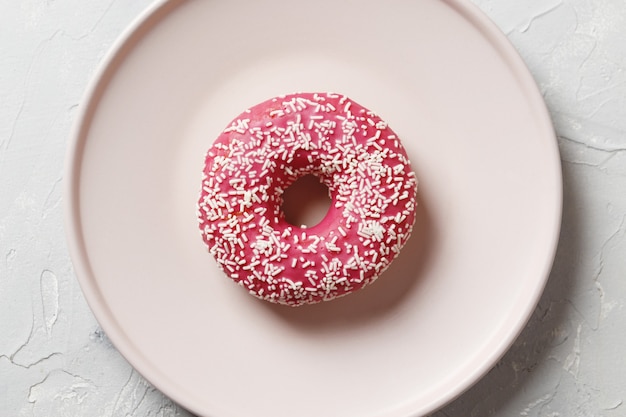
(80, 257)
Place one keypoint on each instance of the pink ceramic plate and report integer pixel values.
(482, 145)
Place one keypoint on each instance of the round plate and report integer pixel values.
(481, 143)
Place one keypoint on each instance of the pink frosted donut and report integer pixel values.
(263, 151)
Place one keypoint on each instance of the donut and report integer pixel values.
(352, 151)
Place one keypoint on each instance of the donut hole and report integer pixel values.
(306, 201)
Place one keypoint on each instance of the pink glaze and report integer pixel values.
(264, 150)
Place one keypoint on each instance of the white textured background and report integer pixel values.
(568, 362)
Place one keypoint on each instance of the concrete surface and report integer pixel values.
(569, 361)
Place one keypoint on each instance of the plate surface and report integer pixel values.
(475, 128)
